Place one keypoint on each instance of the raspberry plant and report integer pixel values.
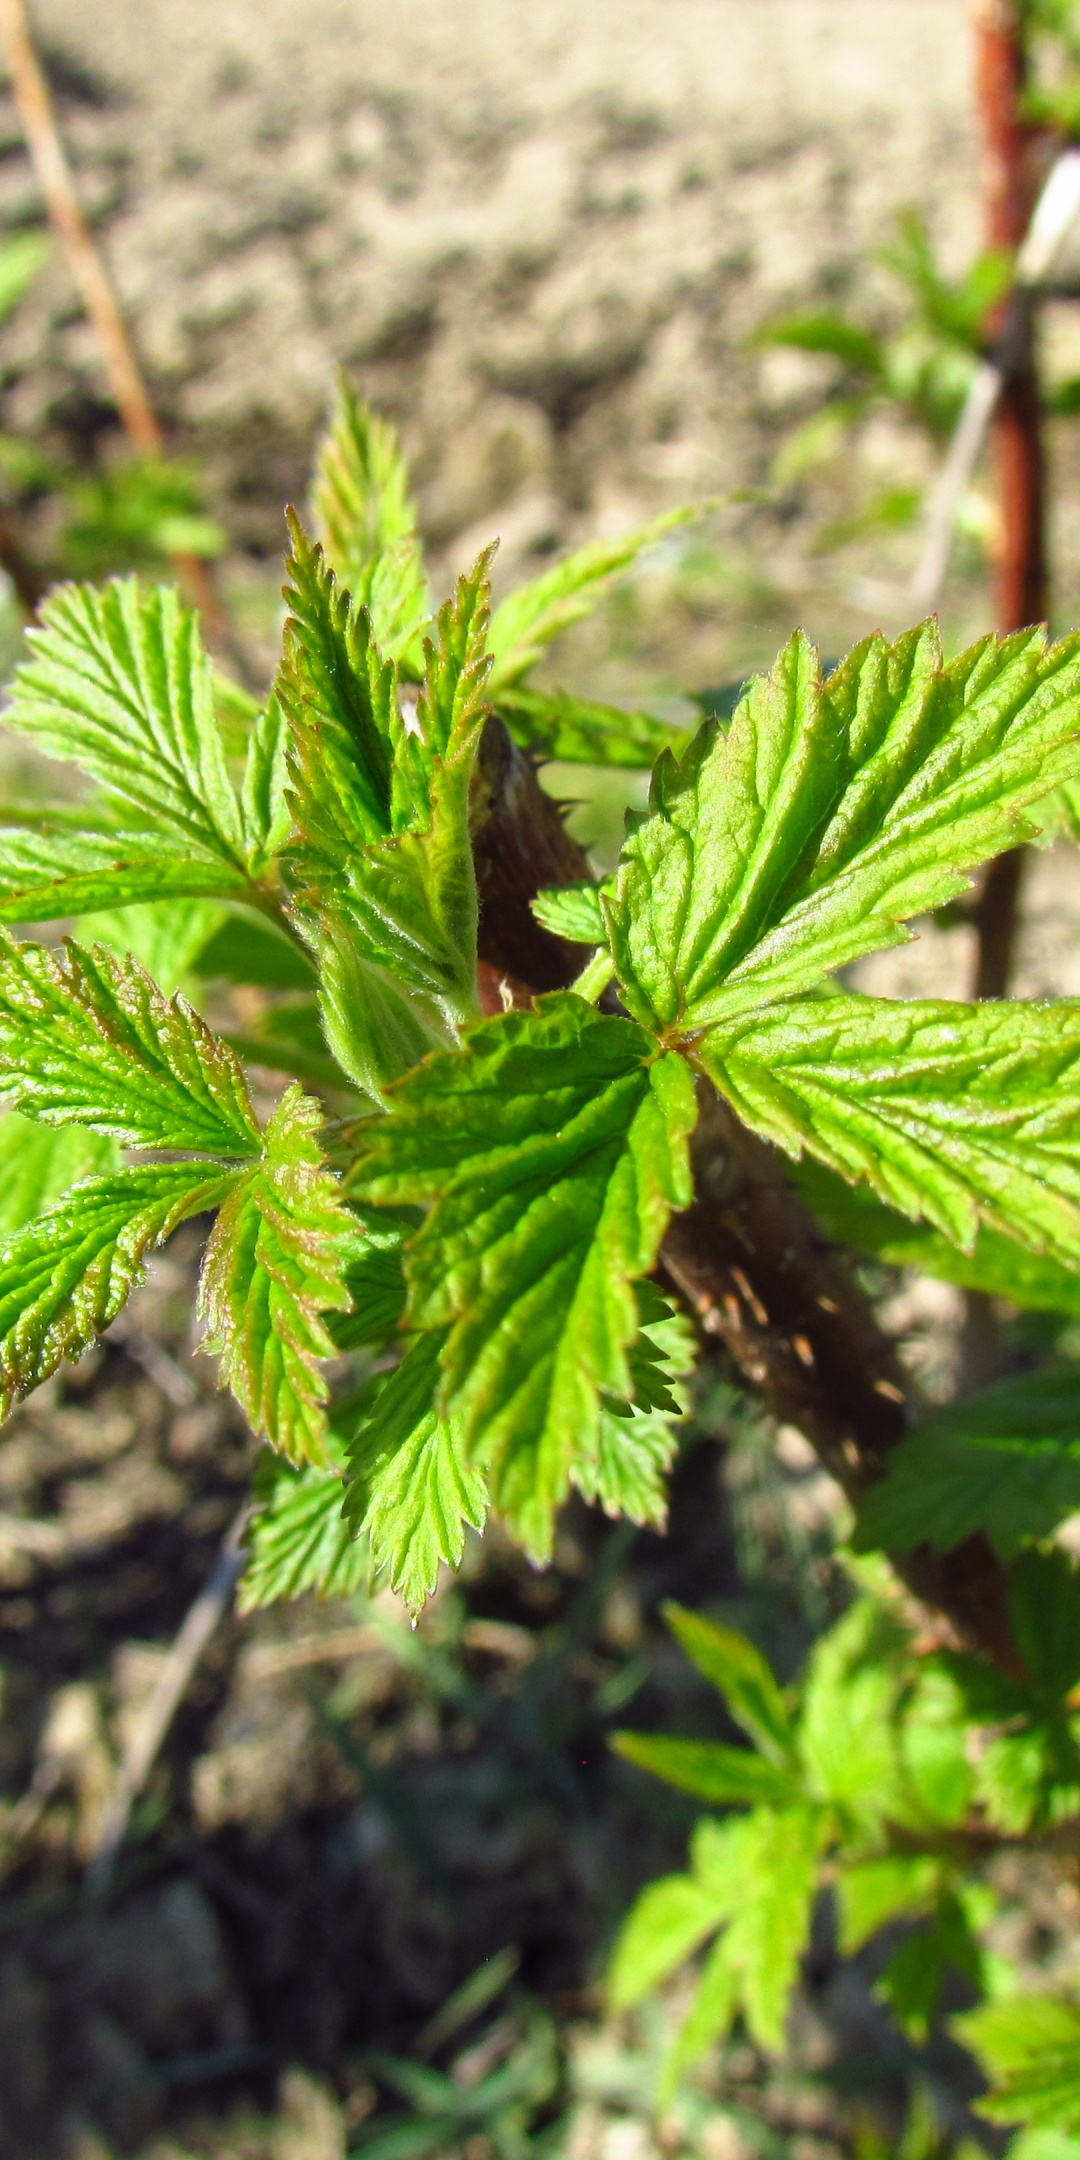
(531, 1149)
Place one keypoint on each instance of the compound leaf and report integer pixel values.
(957, 1113)
(44, 875)
(88, 1039)
(65, 1275)
(119, 683)
(535, 613)
(554, 1149)
(37, 1165)
(808, 831)
(299, 1539)
(1006, 1461)
(275, 1266)
(410, 1488)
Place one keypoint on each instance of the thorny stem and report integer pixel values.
(747, 1256)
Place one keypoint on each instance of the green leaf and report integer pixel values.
(669, 1920)
(119, 683)
(1030, 2046)
(934, 1746)
(807, 832)
(37, 1165)
(635, 1450)
(367, 524)
(167, 941)
(1044, 1607)
(735, 1666)
(711, 2013)
(22, 256)
(65, 1275)
(88, 1039)
(770, 1926)
(846, 1727)
(832, 334)
(374, 1278)
(573, 912)
(275, 1266)
(853, 1215)
(709, 1770)
(247, 950)
(409, 1487)
(533, 614)
(554, 1149)
(44, 875)
(299, 1539)
(1006, 1461)
(264, 799)
(577, 730)
(387, 890)
(957, 1113)
(912, 1981)
(871, 1893)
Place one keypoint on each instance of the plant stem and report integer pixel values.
(57, 182)
(1020, 597)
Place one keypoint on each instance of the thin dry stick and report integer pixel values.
(168, 1693)
(36, 112)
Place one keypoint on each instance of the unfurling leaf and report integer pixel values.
(554, 1149)
(275, 1266)
(65, 1275)
(410, 1488)
(386, 886)
(807, 833)
(367, 525)
(87, 1039)
(119, 683)
(958, 1113)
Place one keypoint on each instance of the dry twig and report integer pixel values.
(57, 181)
